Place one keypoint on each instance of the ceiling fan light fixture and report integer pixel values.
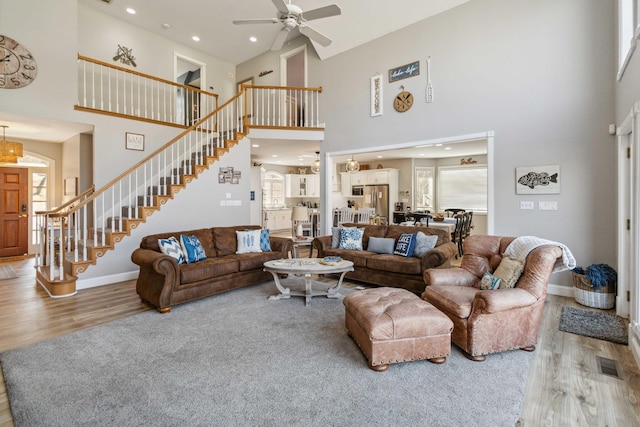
(352, 165)
(315, 168)
(9, 151)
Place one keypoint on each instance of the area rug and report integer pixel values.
(7, 272)
(240, 359)
(594, 324)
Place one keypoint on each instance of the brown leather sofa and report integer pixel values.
(490, 321)
(163, 282)
(388, 269)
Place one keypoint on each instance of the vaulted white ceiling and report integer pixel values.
(211, 20)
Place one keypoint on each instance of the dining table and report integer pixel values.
(448, 224)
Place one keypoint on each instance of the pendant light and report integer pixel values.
(352, 166)
(315, 168)
(9, 151)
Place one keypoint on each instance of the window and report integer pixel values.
(627, 21)
(424, 188)
(462, 187)
(273, 190)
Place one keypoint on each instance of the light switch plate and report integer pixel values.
(548, 206)
(527, 205)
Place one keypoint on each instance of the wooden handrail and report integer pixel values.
(68, 203)
(310, 89)
(147, 76)
(150, 156)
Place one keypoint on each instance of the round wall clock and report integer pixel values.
(17, 65)
(403, 101)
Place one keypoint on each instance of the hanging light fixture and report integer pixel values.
(352, 165)
(315, 168)
(9, 151)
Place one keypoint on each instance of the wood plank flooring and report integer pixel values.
(563, 388)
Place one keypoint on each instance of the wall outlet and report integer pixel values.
(548, 206)
(527, 205)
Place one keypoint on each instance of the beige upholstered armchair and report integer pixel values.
(490, 321)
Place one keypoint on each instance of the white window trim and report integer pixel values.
(634, 39)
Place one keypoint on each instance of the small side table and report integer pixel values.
(301, 242)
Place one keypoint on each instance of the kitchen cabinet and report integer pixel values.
(377, 177)
(302, 185)
(358, 178)
(278, 219)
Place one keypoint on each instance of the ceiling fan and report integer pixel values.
(291, 17)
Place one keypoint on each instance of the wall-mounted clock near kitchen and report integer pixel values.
(403, 101)
(17, 65)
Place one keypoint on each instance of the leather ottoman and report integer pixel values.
(392, 325)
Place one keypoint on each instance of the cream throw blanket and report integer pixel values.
(521, 246)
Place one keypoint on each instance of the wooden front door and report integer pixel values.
(13, 211)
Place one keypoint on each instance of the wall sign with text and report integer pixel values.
(404, 71)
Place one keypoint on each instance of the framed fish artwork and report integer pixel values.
(538, 179)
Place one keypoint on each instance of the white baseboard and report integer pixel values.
(106, 280)
(560, 290)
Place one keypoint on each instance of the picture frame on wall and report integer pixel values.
(134, 141)
(71, 186)
(538, 179)
(376, 95)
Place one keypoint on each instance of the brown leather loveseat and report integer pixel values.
(163, 282)
(388, 269)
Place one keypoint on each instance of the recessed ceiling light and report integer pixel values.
(448, 148)
(166, 26)
(422, 154)
(380, 157)
(131, 11)
(438, 145)
(274, 155)
(253, 39)
(255, 145)
(195, 38)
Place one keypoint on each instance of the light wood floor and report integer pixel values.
(563, 386)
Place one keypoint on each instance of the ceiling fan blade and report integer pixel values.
(315, 35)
(281, 6)
(321, 12)
(256, 21)
(280, 39)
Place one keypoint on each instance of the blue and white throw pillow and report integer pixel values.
(405, 245)
(172, 247)
(424, 244)
(248, 241)
(351, 238)
(489, 282)
(192, 249)
(265, 243)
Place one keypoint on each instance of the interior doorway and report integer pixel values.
(293, 74)
(192, 73)
(14, 211)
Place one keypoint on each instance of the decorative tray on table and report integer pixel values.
(331, 260)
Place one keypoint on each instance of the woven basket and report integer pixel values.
(605, 297)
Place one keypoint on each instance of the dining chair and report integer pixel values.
(453, 211)
(457, 235)
(345, 215)
(364, 214)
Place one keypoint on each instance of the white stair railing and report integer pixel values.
(107, 88)
(278, 106)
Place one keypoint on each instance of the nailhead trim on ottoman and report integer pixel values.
(393, 325)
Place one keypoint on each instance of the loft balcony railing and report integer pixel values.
(109, 89)
(71, 237)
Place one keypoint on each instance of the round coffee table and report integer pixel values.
(306, 267)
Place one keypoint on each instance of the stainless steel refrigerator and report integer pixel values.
(377, 197)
